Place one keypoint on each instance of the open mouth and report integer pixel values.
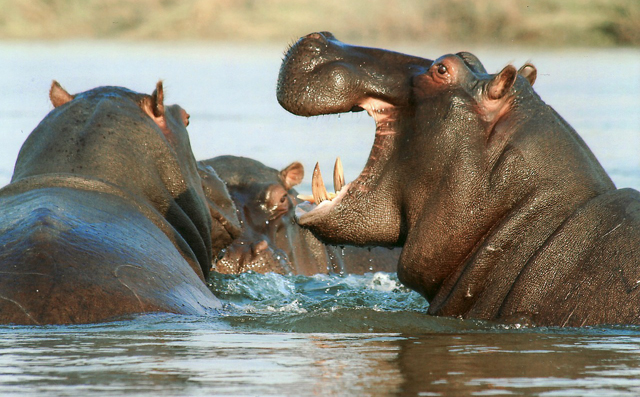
(321, 201)
(321, 75)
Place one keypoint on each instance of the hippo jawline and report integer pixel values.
(321, 203)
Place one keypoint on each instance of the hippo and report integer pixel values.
(271, 240)
(503, 212)
(105, 215)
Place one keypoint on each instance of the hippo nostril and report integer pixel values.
(315, 36)
(221, 254)
(328, 35)
(323, 37)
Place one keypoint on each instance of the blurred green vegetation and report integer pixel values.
(498, 22)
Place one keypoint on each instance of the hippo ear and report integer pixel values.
(502, 82)
(153, 106)
(529, 72)
(157, 100)
(185, 117)
(58, 95)
(292, 175)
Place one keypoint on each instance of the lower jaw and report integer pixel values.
(307, 212)
(321, 204)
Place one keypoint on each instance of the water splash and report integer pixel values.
(300, 294)
(374, 302)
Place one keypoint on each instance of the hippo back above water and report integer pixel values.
(502, 211)
(105, 214)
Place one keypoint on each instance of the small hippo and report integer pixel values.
(503, 211)
(271, 240)
(106, 216)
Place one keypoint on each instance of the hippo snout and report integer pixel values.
(322, 75)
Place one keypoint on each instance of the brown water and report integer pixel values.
(165, 355)
(323, 335)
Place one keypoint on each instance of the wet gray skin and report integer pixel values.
(502, 211)
(271, 240)
(105, 215)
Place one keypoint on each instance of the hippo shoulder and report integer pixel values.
(570, 265)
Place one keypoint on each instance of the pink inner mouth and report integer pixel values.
(321, 203)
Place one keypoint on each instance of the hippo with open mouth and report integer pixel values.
(503, 212)
(106, 216)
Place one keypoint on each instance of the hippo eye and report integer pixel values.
(442, 69)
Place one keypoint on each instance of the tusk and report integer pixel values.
(306, 197)
(311, 199)
(338, 175)
(317, 186)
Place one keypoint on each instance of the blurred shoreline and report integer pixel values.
(544, 23)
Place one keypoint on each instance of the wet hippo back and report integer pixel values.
(105, 215)
(86, 256)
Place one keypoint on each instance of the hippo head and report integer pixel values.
(264, 198)
(140, 147)
(456, 151)
(322, 75)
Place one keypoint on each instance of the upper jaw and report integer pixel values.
(321, 75)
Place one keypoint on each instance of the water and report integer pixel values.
(322, 335)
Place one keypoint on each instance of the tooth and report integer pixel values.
(305, 197)
(317, 186)
(338, 175)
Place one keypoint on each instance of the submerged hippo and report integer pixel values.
(105, 214)
(503, 212)
(271, 240)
